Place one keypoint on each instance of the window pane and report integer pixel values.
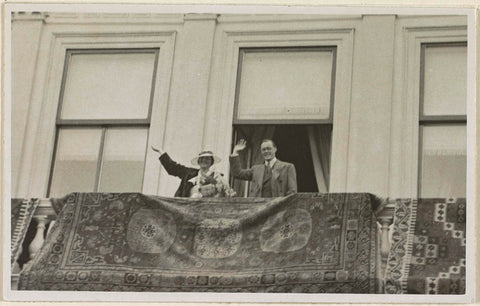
(123, 160)
(75, 161)
(444, 161)
(108, 86)
(445, 83)
(285, 85)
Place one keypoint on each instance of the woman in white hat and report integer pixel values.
(197, 183)
(208, 182)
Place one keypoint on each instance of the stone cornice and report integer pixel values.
(99, 18)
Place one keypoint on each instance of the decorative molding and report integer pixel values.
(275, 18)
(239, 32)
(232, 37)
(29, 16)
(100, 18)
(115, 36)
(161, 18)
(415, 37)
(433, 28)
(200, 17)
(410, 34)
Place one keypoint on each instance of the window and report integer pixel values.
(286, 94)
(103, 121)
(443, 139)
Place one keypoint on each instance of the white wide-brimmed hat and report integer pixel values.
(216, 159)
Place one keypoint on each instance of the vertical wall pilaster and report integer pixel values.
(189, 90)
(369, 147)
(26, 33)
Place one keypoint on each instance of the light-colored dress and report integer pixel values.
(210, 185)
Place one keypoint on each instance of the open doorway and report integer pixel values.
(293, 146)
(305, 146)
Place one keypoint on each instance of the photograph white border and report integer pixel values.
(14, 295)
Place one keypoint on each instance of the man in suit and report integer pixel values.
(273, 178)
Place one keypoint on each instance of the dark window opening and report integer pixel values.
(308, 147)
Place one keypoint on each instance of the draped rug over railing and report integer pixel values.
(132, 242)
(427, 255)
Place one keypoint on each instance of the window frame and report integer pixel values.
(103, 124)
(410, 33)
(224, 70)
(433, 120)
(237, 123)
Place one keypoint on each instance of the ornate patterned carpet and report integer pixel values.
(427, 255)
(311, 243)
(22, 211)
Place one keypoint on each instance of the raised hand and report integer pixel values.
(241, 144)
(160, 151)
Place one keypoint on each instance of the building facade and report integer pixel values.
(360, 103)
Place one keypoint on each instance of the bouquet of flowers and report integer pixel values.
(211, 184)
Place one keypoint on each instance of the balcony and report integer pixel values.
(336, 219)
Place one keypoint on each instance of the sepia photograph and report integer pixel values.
(239, 154)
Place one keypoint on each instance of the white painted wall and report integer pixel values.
(374, 135)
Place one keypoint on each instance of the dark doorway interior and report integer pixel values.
(293, 146)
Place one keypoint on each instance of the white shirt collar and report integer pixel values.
(271, 162)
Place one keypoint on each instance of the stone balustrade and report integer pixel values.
(44, 216)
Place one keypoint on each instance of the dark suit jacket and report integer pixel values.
(284, 177)
(180, 171)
